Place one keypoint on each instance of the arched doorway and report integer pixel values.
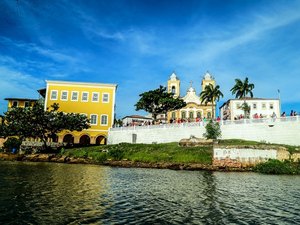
(69, 139)
(101, 140)
(84, 140)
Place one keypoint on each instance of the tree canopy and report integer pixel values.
(242, 88)
(159, 101)
(211, 94)
(35, 122)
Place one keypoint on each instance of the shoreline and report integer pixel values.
(54, 158)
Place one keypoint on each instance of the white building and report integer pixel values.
(136, 120)
(259, 107)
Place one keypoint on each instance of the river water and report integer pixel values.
(49, 193)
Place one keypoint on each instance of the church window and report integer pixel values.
(183, 115)
(198, 114)
(209, 115)
(173, 90)
(173, 115)
(191, 115)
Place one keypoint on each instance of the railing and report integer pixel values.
(203, 123)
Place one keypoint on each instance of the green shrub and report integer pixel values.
(274, 166)
(12, 143)
(213, 130)
(116, 154)
(99, 157)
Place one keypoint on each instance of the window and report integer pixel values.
(271, 106)
(94, 119)
(238, 105)
(26, 104)
(64, 95)
(105, 97)
(183, 115)
(104, 120)
(95, 97)
(191, 115)
(74, 96)
(173, 115)
(263, 106)
(198, 114)
(209, 115)
(254, 106)
(85, 96)
(53, 95)
(173, 90)
(15, 104)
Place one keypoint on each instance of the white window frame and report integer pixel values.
(12, 103)
(98, 94)
(72, 93)
(87, 96)
(52, 91)
(263, 105)
(254, 104)
(61, 96)
(271, 106)
(106, 120)
(107, 97)
(91, 119)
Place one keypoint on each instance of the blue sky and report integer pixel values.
(137, 44)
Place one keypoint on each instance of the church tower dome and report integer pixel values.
(207, 79)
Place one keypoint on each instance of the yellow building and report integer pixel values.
(20, 102)
(95, 100)
(194, 110)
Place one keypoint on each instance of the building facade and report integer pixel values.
(95, 100)
(136, 120)
(20, 102)
(194, 110)
(259, 108)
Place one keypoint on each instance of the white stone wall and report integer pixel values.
(280, 131)
(244, 154)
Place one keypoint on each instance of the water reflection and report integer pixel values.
(42, 193)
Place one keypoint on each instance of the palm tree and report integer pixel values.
(211, 94)
(241, 90)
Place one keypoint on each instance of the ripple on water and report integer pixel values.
(42, 193)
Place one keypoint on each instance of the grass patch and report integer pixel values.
(151, 153)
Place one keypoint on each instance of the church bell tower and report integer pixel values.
(174, 85)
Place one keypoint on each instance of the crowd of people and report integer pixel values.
(204, 119)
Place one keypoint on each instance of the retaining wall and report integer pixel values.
(280, 132)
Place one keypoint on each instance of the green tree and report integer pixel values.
(213, 130)
(211, 94)
(159, 101)
(35, 122)
(241, 89)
